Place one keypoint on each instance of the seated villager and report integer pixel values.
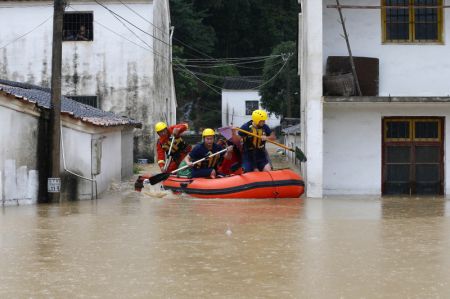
(179, 147)
(208, 167)
(254, 155)
(82, 34)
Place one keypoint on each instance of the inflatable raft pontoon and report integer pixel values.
(267, 184)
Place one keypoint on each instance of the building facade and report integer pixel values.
(116, 56)
(96, 146)
(392, 138)
(240, 99)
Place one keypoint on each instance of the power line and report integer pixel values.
(209, 85)
(221, 64)
(137, 27)
(25, 34)
(114, 32)
(232, 58)
(143, 18)
(132, 32)
(150, 49)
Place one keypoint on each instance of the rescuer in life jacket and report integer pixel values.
(208, 167)
(169, 161)
(254, 155)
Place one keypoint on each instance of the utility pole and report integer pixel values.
(54, 181)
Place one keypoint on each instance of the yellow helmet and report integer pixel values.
(259, 115)
(160, 126)
(208, 132)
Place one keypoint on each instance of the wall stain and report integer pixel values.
(132, 91)
(43, 156)
(45, 81)
(30, 76)
(4, 64)
(75, 76)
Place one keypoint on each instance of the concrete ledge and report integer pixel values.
(371, 99)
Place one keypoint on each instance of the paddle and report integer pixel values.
(164, 176)
(227, 132)
(169, 155)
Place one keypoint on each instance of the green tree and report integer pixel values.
(281, 93)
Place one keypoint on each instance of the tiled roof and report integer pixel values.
(41, 97)
(242, 83)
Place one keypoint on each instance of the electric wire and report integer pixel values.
(132, 24)
(25, 34)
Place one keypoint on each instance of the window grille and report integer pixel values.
(78, 26)
(413, 150)
(88, 100)
(421, 129)
(251, 106)
(412, 24)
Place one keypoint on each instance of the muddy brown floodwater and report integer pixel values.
(157, 245)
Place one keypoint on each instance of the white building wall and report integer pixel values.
(405, 69)
(79, 156)
(233, 108)
(353, 143)
(116, 66)
(311, 112)
(18, 158)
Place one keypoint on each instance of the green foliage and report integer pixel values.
(222, 28)
(137, 168)
(189, 26)
(281, 95)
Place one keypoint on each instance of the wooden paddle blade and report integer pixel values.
(226, 132)
(139, 184)
(158, 178)
(300, 155)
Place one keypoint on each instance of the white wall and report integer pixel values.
(18, 158)
(311, 112)
(120, 72)
(233, 108)
(353, 143)
(19, 135)
(405, 70)
(78, 153)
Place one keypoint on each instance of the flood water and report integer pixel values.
(157, 245)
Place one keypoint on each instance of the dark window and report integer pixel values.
(397, 129)
(413, 155)
(251, 106)
(412, 23)
(427, 129)
(78, 26)
(88, 100)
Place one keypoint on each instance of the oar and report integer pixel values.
(227, 133)
(169, 155)
(164, 176)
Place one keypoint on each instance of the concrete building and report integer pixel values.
(115, 57)
(393, 138)
(239, 99)
(96, 147)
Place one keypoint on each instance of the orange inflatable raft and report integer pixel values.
(267, 184)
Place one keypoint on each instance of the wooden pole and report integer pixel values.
(352, 63)
(54, 182)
